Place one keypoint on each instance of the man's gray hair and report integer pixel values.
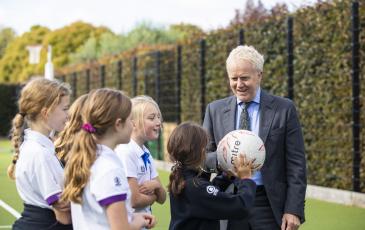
(247, 53)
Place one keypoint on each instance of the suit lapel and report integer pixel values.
(267, 113)
(229, 112)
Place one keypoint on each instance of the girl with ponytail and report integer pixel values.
(95, 181)
(197, 203)
(43, 107)
(65, 139)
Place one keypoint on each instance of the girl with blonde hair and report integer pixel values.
(43, 107)
(95, 181)
(140, 169)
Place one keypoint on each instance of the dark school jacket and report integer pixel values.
(202, 203)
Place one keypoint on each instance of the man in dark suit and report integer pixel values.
(281, 182)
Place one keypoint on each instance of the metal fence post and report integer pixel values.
(290, 58)
(102, 76)
(74, 85)
(178, 83)
(202, 77)
(145, 81)
(119, 75)
(134, 76)
(158, 88)
(241, 37)
(355, 97)
(88, 80)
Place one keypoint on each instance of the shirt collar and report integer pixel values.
(39, 138)
(105, 150)
(139, 151)
(256, 99)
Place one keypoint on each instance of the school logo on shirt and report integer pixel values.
(143, 169)
(212, 190)
(117, 181)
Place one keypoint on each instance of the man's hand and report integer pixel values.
(290, 222)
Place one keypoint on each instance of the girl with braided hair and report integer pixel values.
(38, 174)
(197, 203)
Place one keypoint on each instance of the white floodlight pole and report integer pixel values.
(48, 69)
(34, 53)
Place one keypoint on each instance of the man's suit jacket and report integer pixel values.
(284, 170)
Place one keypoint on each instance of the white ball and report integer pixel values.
(240, 142)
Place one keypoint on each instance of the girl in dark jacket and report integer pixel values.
(195, 202)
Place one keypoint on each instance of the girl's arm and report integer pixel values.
(118, 218)
(160, 192)
(62, 212)
(154, 186)
(139, 200)
(209, 202)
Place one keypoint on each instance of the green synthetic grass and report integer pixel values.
(8, 192)
(319, 215)
(329, 216)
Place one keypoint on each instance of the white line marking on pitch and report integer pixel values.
(6, 226)
(10, 209)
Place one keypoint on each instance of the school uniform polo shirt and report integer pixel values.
(107, 184)
(38, 172)
(131, 155)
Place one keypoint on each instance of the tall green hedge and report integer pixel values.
(323, 91)
(322, 79)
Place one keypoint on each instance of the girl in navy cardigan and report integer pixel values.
(196, 203)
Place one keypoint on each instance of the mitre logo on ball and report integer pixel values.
(240, 142)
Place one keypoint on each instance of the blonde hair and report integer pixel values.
(101, 109)
(246, 53)
(65, 139)
(37, 94)
(139, 105)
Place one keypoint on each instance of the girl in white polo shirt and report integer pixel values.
(95, 182)
(140, 169)
(43, 106)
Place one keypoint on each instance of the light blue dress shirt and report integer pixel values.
(254, 114)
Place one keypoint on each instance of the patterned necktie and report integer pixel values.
(145, 158)
(244, 118)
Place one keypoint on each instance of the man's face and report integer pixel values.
(244, 80)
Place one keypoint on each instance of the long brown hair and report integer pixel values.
(65, 139)
(186, 147)
(37, 94)
(101, 109)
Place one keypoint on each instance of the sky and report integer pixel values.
(122, 15)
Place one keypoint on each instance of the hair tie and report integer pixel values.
(177, 165)
(88, 128)
(22, 114)
(14, 162)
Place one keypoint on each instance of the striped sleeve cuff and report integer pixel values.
(109, 200)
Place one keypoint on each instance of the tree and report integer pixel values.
(6, 36)
(185, 31)
(14, 65)
(144, 33)
(251, 14)
(69, 40)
